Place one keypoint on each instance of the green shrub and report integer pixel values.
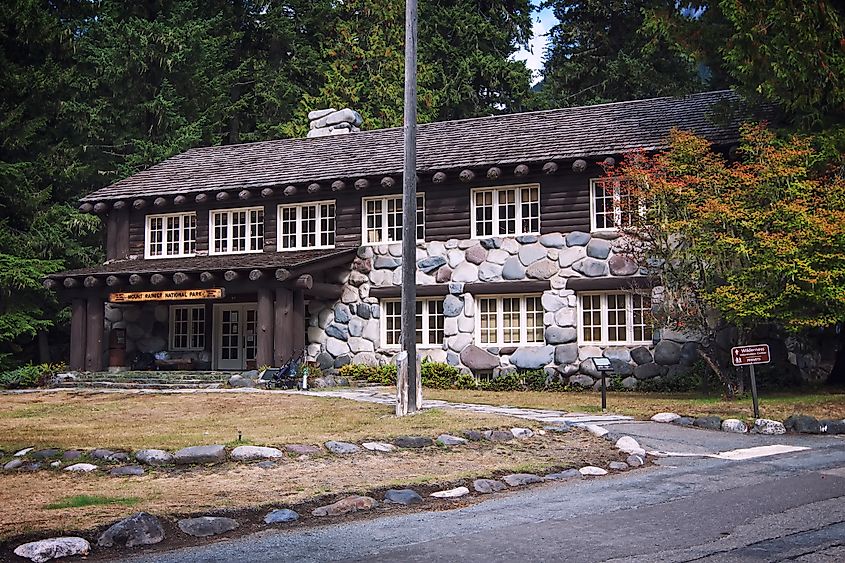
(438, 375)
(383, 375)
(465, 381)
(505, 382)
(534, 380)
(29, 375)
(691, 380)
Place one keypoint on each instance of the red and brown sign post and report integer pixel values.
(750, 356)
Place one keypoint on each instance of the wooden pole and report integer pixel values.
(410, 374)
(78, 334)
(94, 337)
(298, 322)
(282, 332)
(264, 348)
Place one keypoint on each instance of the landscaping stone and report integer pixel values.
(596, 430)
(451, 493)
(520, 479)
(153, 457)
(476, 358)
(618, 466)
(532, 357)
(498, 435)
(642, 355)
(239, 381)
(802, 423)
(667, 353)
(14, 464)
(629, 446)
(303, 449)
(82, 467)
(487, 486)
(266, 464)
(100, 453)
(768, 427)
(205, 526)
(449, 440)
(557, 428)
(684, 421)
(281, 516)
(249, 453)
(635, 460)
(830, 426)
(345, 506)
(138, 529)
(413, 442)
(53, 548)
(45, 454)
(592, 471)
(405, 497)
(665, 417)
(121, 457)
(734, 425)
(564, 475)
(23, 452)
(522, 433)
(474, 435)
(378, 446)
(70, 455)
(200, 454)
(709, 422)
(127, 471)
(342, 448)
(630, 383)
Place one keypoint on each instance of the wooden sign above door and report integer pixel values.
(169, 295)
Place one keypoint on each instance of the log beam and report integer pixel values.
(222, 196)
(338, 185)
(95, 310)
(86, 208)
(114, 281)
(550, 168)
(438, 177)
(305, 281)
(255, 275)
(282, 274)
(494, 173)
(101, 208)
(207, 277)
(231, 275)
(160, 202)
(267, 192)
(157, 279)
(325, 290)
(579, 166)
(136, 279)
(313, 188)
(201, 198)
(78, 334)
(139, 203)
(244, 195)
(466, 176)
(282, 327)
(521, 170)
(298, 321)
(50, 284)
(70, 283)
(388, 182)
(362, 184)
(180, 200)
(91, 281)
(290, 190)
(118, 205)
(181, 278)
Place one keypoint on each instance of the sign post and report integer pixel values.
(750, 356)
(603, 366)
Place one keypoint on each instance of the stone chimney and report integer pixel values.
(323, 122)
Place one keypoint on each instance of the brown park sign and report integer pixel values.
(169, 295)
(750, 355)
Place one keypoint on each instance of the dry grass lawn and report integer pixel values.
(88, 419)
(643, 405)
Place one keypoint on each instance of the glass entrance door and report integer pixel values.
(235, 335)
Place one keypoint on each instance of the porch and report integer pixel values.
(223, 313)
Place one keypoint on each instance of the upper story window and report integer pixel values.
(382, 219)
(506, 211)
(237, 230)
(510, 320)
(611, 204)
(429, 314)
(187, 327)
(306, 225)
(615, 318)
(171, 235)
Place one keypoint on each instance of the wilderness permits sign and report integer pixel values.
(169, 295)
(750, 355)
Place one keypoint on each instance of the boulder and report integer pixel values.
(342, 448)
(303, 449)
(591, 267)
(634, 460)
(684, 421)
(520, 479)
(339, 331)
(831, 426)
(621, 265)
(497, 435)
(412, 442)
(522, 433)
(561, 335)
(474, 435)
(562, 428)
(665, 417)
(405, 497)
(449, 440)
(451, 493)
(630, 383)
(532, 357)
(642, 355)
(345, 506)
(542, 270)
(249, 453)
(70, 455)
(281, 516)
(588, 367)
(476, 358)
(240, 381)
(45, 454)
(598, 248)
(581, 380)
(342, 313)
(618, 466)
(592, 471)
(82, 467)
(14, 464)
(564, 475)
(647, 371)
(452, 306)
(569, 256)
(153, 457)
(617, 353)
(667, 353)
(127, 471)
(552, 240)
(200, 454)
(101, 453)
(577, 238)
(475, 254)
(138, 529)
(465, 272)
(383, 447)
(566, 353)
(530, 253)
(734, 425)
(768, 427)
(487, 486)
(629, 446)
(428, 265)
(709, 422)
(53, 548)
(803, 424)
(205, 526)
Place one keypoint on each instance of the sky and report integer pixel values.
(533, 57)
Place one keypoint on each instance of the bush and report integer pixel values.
(505, 382)
(29, 375)
(438, 375)
(383, 375)
(466, 381)
(691, 380)
(534, 380)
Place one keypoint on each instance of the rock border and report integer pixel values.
(797, 423)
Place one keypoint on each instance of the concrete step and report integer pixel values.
(133, 385)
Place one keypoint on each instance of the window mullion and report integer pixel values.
(605, 332)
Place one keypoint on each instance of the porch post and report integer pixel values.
(78, 313)
(298, 321)
(264, 345)
(282, 333)
(94, 330)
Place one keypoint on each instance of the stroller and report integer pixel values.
(286, 377)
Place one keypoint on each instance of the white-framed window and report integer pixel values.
(511, 319)
(170, 235)
(235, 231)
(611, 204)
(430, 319)
(505, 211)
(306, 225)
(614, 318)
(381, 221)
(187, 327)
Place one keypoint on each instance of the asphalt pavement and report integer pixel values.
(786, 507)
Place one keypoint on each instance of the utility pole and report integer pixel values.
(407, 380)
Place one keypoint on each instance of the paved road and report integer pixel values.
(788, 507)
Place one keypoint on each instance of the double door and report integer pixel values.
(235, 331)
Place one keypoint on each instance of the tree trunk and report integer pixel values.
(43, 347)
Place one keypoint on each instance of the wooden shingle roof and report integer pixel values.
(553, 135)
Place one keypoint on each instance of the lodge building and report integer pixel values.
(238, 256)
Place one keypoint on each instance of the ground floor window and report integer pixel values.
(615, 318)
(510, 320)
(429, 322)
(187, 327)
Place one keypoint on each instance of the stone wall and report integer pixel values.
(349, 330)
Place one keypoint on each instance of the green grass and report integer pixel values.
(80, 501)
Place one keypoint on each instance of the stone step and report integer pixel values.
(125, 385)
